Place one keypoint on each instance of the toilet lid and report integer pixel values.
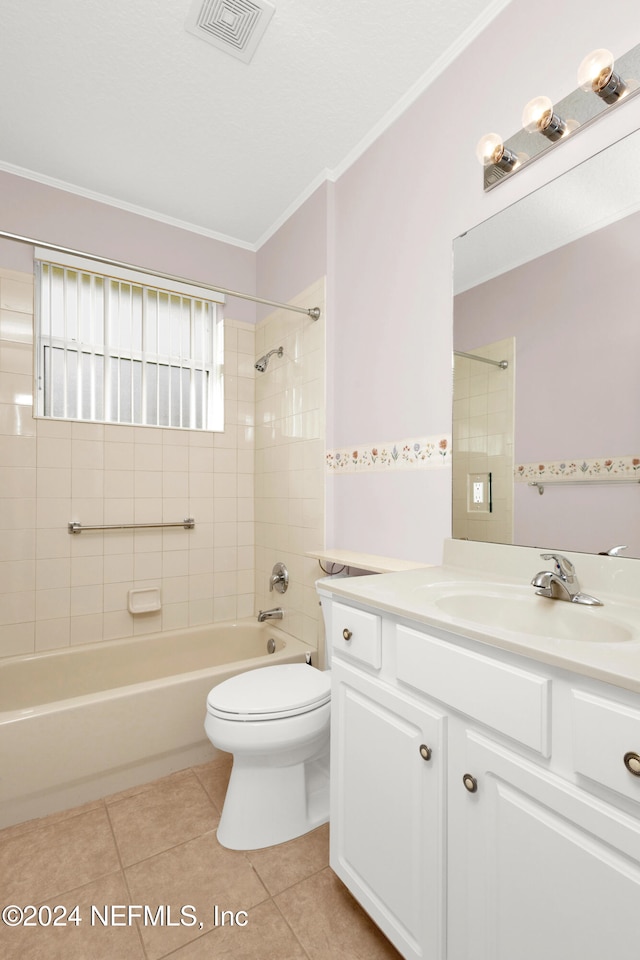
(270, 693)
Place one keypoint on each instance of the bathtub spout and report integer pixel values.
(275, 614)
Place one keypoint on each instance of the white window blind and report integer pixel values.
(119, 349)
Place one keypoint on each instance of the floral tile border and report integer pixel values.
(619, 468)
(416, 452)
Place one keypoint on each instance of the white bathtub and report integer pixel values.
(83, 722)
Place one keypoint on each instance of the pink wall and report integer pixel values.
(296, 255)
(57, 216)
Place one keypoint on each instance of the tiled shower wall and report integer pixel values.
(483, 441)
(58, 589)
(290, 453)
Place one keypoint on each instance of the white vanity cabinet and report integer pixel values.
(387, 789)
(540, 867)
(519, 837)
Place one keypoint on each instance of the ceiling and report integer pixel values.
(118, 99)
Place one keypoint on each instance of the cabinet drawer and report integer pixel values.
(513, 701)
(356, 634)
(604, 732)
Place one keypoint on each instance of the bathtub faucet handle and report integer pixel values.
(279, 578)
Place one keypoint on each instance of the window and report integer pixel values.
(113, 348)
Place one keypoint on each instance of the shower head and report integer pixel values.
(262, 363)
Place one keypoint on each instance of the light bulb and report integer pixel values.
(491, 150)
(537, 114)
(596, 74)
(538, 117)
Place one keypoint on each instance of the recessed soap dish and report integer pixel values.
(144, 600)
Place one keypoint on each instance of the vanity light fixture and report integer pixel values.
(545, 124)
(539, 117)
(596, 74)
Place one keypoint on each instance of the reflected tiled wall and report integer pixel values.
(290, 453)
(483, 439)
(57, 589)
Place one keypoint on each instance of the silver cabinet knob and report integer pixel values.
(347, 634)
(470, 782)
(632, 763)
(425, 751)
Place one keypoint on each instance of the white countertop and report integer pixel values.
(363, 561)
(412, 594)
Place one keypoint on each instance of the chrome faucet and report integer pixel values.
(561, 583)
(275, 614)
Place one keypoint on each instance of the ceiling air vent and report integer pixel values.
(235, 26)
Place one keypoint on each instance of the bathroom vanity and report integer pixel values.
(486, 777)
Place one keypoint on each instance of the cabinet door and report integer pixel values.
(551, 872)
(387, 809)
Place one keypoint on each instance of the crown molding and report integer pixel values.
(122, 205)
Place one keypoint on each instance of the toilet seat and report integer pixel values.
(270, 693)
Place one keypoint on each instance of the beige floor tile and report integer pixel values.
(78, 941)
(174, 810)
(329, 923)
(54, 857)
(266, 936)
(200, 873)
(52, 818)
(281, 866)
(214, 777)
(149, 785)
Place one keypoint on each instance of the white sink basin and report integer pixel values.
(520, 611)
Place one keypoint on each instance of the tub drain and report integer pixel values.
(271, 645)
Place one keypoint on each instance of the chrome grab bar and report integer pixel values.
(74, 526)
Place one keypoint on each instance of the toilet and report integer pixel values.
(275, 721)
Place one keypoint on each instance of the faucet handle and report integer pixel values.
(564, 567)
(614, 551)
(279, 578)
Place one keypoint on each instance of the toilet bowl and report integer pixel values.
(275, 721)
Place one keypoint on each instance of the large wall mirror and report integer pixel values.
(546, 422)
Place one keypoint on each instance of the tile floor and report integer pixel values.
(156, 845)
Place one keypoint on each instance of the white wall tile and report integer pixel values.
(17, 639)
(87, 570)
(175, 616)
(117, 624)
(52, 603)
(53, 573)
(86, 600)
(147, 456)
(16, 420)
(16, 326)
(18, 482)
(87, 454)
(86, 629)
(175, 589)
(50, 634)
(16, 358)
(52, 482)
(16, 295)
(118, 455)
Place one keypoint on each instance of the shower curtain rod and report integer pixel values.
(503, 364)
(313, 312)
